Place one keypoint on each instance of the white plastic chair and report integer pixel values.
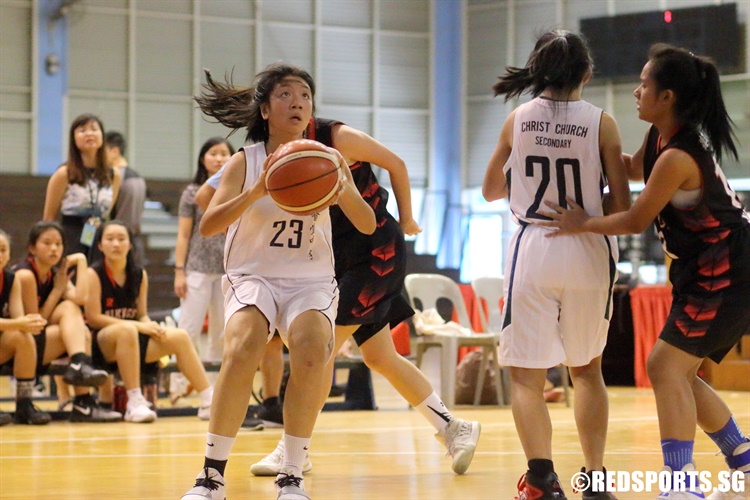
(491, 290)
(427, 289)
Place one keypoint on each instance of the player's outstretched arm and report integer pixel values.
(358, 146)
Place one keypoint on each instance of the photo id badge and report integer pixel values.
(88, 233)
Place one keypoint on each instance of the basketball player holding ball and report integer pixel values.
(370, 271)
(279, 274)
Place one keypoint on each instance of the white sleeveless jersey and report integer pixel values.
(555, 155)
(269, 242)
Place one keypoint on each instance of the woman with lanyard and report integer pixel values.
(84, 188)
(82, 191)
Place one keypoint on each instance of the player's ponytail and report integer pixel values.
(560, 61)
(227, 104)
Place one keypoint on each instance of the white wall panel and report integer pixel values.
(225, 47)
(400, 15)
(243, 9)
(531, 20)
(346, 72)
(15, 155)
(404, 71)
(163, 138)
(111, 4)
(484, 121)
(404, 134)
(352, 13)
(297, 11)
(164, 63)
(487, 46)
(98, 48)
(357, 118)
(15, 40)
(289, 44)
(16, 101)
(169, 6)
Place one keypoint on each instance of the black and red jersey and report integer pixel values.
(364, 178)
(702, 240)
(117, 301)
(44, 286)
(687, 232)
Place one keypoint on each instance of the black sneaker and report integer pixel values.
(5, 419)
(28, 414)
(588, 492)
(253, 424)
(272, 415)
(89, 411)
(531, 487)
(83, 373)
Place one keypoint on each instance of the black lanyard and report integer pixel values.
(94, 198)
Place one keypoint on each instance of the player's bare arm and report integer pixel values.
(494, 186)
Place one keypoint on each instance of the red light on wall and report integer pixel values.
(667, 16)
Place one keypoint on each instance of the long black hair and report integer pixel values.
(201, 173)
(239, 107)
(697, 89)
(560, 61)
(133, 272)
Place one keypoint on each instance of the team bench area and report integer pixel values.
(358, 394)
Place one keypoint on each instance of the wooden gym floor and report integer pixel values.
(385, 454)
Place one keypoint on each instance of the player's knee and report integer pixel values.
(658, 370)
(179, 335)
(376, 361)
(240, 346)
(309, 350)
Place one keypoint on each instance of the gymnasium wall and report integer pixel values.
(137, 64)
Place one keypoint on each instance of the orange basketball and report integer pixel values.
(303, 176)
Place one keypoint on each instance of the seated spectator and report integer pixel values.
(124, 336)
(46, 290)
(17, 335)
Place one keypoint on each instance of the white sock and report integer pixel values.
(218, 447)
(295, 449)
(433, 409)
(133, 395)
(206, 395)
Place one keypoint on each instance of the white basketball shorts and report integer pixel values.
(558, 298)
(281, 300)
